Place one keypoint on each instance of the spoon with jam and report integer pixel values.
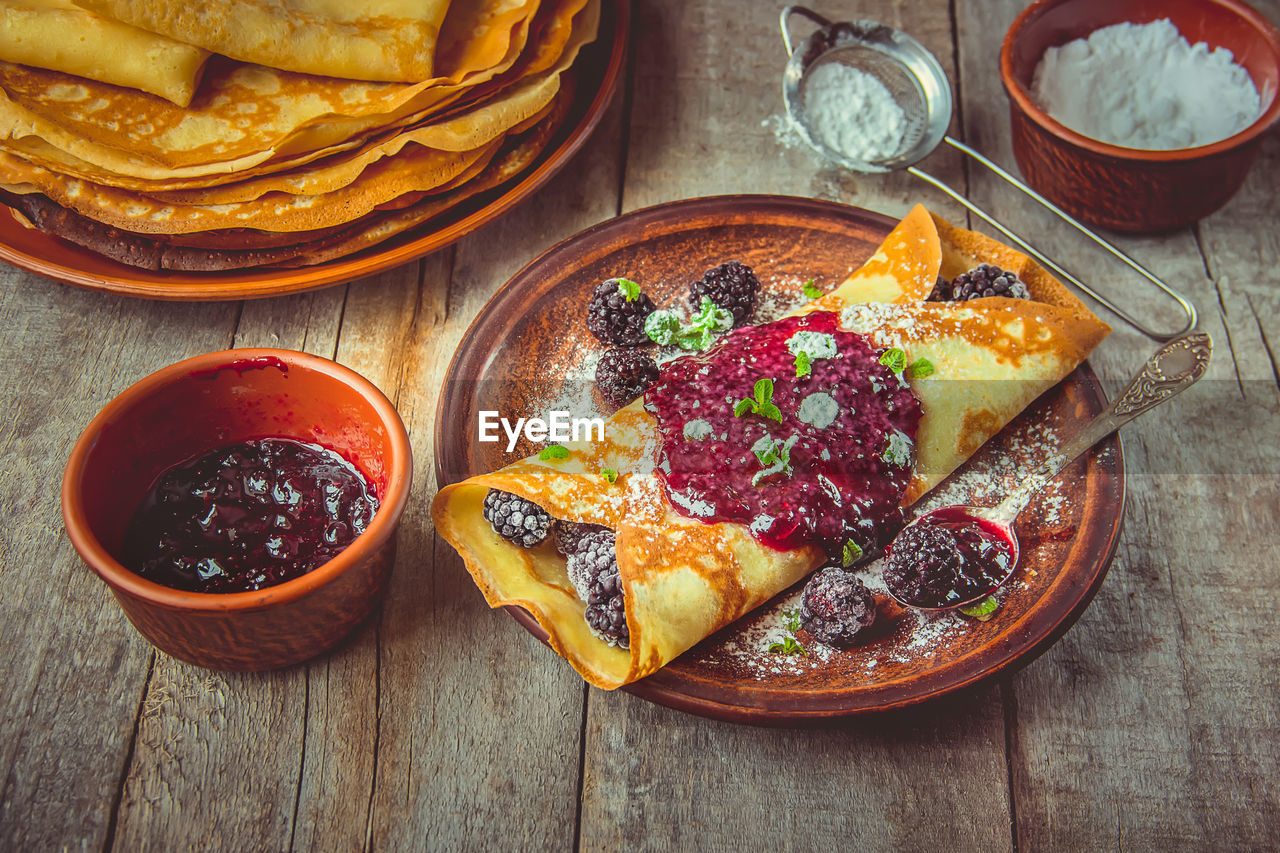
(957, 555)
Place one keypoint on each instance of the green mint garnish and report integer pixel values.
(981, 610)
(629, 289)
(762, 405)
(899, 450)
(803, 364)
(662, 326)
(694, 338)
(774, 455)
(852, 553)
(920, 368)
(894, 359)
(812, 290)
(610, 475)
(793, 620)
(553, 451)
(788, 646)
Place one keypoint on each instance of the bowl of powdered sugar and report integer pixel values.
(1139, 115)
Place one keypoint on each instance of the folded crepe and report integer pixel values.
(57, 35)
(683, 578)
(391, 40)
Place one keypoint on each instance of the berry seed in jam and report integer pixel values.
(947, 559)
(800, 453)
(247, 516)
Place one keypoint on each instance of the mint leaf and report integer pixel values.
(769, 410)
(694, 337)
(553, 451)
(802, 364)
(981, 610)
(745, 406)
(920, 368)
(852, 553)
(629, 289)
(662, 327)
(894, 359)
(788, 646)
(762, 391)
(812, 290)
(610, 475)
(713, 317)
(792, 618)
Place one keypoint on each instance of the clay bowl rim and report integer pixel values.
(1019, 94)
(121, 579)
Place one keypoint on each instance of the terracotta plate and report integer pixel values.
(600, 65)
(528, 352)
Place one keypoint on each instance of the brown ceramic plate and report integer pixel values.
(600, 65)
(528, 351)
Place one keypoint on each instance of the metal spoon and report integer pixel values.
(1173, 368)
(919, 86)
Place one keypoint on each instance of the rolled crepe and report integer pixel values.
(59, 36)
(684, 579)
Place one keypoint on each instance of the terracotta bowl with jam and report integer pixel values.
(233, 401)
(1131, 189)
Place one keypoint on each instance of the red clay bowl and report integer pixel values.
(1128, 189)
(216, 399)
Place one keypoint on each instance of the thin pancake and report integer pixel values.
(57, 35)
(389, 40)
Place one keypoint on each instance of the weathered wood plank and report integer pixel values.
(73, 668)
(479, 725)
(707, 81)
(1153, 722)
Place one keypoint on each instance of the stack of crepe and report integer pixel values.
(243, 133)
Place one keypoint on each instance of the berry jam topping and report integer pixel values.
(942, 562)
(248, 516)
(793, 428)
(836, 607)
(732, 286)
(518, 520)
(593, 571)
(982, 280)
(622, 374)
(617, 312)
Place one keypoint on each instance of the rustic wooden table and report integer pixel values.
(1155, 722)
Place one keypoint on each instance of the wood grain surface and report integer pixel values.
(1153, 725)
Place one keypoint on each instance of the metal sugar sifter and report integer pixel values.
(918, 84)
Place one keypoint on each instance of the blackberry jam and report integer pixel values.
(247, 516)
(803, 449)
(948, 559)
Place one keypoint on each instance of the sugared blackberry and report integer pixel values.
(732, 286)
(617, 312)
(987, 280)
(570, 533)
(593, 571)
(923, 565)
(836, 607)
(516, 519)
(623, 374)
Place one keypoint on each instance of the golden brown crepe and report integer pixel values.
(684, 579)
(389, 40)
(58, 35)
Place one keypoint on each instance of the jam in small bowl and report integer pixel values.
(315, 450)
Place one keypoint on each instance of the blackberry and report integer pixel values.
(836, 607)
(624, 374)
(941, 291)
(516, 519)
(593, 571)
(617, 312)
(732, 286)
(987, 280)
(923, 566)
(569, 534)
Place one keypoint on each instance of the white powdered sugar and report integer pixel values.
(853, 113)
(1144, 86)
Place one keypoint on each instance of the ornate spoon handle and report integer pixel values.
(1173, 368)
